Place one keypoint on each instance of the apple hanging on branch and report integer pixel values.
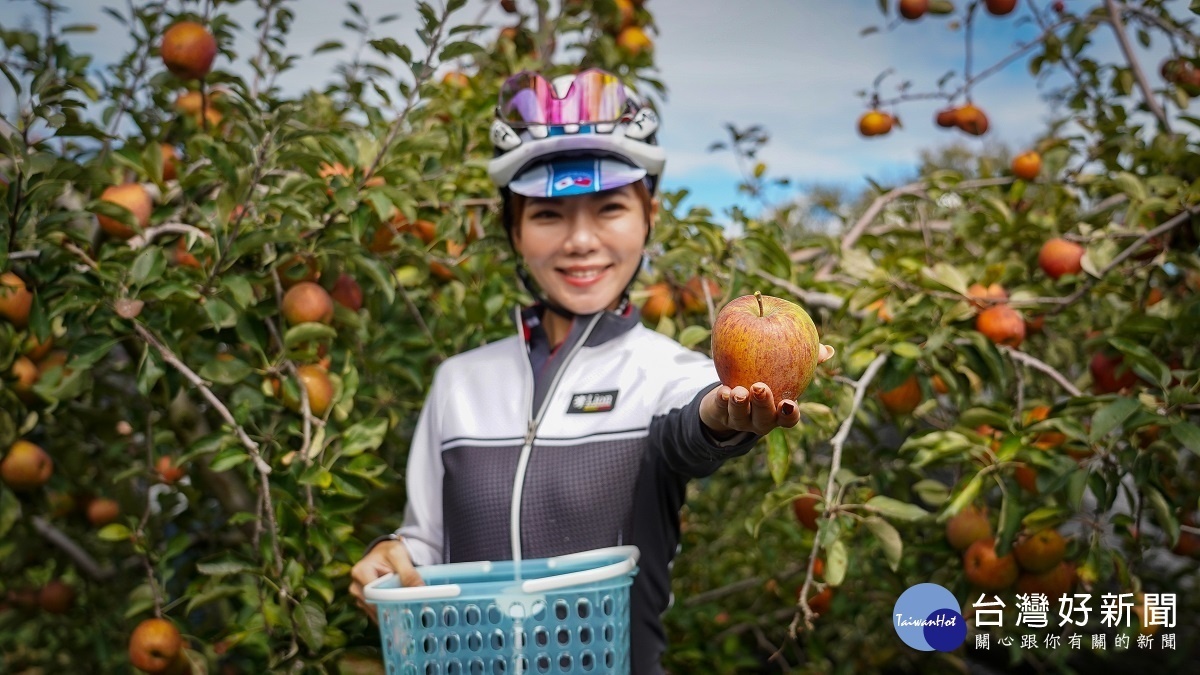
(760, 338)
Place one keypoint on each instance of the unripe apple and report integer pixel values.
(760, 338)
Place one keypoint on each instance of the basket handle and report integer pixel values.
(616, 569)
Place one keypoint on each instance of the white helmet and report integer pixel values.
(582, 133)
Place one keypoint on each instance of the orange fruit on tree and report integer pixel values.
(170, 159)
(904, 398)
(1002, 325)
(691, 296)
(967, 527)
(1110, 374)
(634, 40)
(1059, 257)
(987, 570)
(188, 50)
(1053, 583)
(1027, 165)
(191, 103)
(984, 296)
(947, 118)
(316, 382)
(913, 9)
(307, 302)
(1000, 7)
(659, 303)
(807, 508)
(15, 299)
(101, 511)
(133, 197)
(971, 119)
(25, 466)
(1046, 440)
(26, 373)
(155, 646)
(33, 347)
(168, 470)
(1040, 551)
(875, 123)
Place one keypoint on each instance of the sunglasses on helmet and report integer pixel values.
(594, 96)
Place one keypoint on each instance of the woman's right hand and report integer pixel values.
(387, 557)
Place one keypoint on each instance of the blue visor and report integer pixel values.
(575, 176)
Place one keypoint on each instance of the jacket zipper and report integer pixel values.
(514, 521)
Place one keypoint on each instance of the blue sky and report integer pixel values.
(793, 66)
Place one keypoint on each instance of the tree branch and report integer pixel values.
(1118, 26)
(1172, 223)
(1037, 364)
(151, 233)
(811, 298)
(82, 559)
(838, 443)
(207, 393)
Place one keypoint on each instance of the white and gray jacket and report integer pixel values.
(598, 438)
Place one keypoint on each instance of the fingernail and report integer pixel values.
(759, 390)
(739, 399)
(725, 396)
(787, 408)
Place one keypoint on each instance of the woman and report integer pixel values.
(582, 430)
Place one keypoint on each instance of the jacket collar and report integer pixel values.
(612, 324)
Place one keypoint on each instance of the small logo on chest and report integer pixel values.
(600, 401)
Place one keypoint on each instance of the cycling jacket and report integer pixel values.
(597, 437)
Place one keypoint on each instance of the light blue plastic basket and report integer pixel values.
(568, 614)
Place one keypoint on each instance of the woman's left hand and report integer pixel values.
(727, 411)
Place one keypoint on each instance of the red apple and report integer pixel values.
(26, 466)
(155, 645)
(760, 338)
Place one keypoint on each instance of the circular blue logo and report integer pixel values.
(927, 617)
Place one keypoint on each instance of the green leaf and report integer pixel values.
(906, 350)
(223, 567)
(1131, 185)
(1187, 434)
(310, 624)
(889, 539)
(779, 457)
(457, 49)
(149, 264)
(364, 436)
(969, 492)
(381, 276)
(1047, 516)
(222, 371)
(220, 313)
(211, 595)
(317, 476)
(1195, 7)
(10, 510)
(932, 492)
(894, 508)
(229, 458)
(114, 532)
(308, 332)
(1111, 416)
(326, 46)
(1164, 514)
(836, 562)
(693, 335)
(948, 276)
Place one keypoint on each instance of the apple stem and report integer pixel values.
(758, 297)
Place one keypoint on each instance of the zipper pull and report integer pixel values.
(530, 431)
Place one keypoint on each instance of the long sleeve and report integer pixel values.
(677, 431)
(422, 529)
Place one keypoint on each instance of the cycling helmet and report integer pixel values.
(578, 134)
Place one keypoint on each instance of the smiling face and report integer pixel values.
(583, 250)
